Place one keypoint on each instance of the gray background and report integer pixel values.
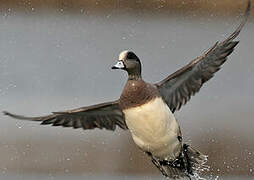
(57, 59)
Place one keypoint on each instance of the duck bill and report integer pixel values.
(118, 65)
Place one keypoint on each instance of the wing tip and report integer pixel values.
(246, 14)
(247, 11)
(239, 28)
(21, 117)
(6, 113)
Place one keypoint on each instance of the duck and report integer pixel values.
(147, 110)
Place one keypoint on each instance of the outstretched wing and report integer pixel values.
(106, 115)
(178, 88)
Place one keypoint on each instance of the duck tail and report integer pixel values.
(190, 163)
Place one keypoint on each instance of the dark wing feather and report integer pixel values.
(178, 88)
(105, 115)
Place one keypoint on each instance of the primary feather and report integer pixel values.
(178, 87)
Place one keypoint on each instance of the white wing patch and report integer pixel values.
(154, 128)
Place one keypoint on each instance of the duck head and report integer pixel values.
(129, 62)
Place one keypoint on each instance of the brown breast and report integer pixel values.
(137, 92)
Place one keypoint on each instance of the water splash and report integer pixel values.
(200, 167)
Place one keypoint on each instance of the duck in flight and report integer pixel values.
(146, 109)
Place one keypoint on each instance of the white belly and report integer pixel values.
(154, 129)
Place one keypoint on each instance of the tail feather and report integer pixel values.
(189, 164)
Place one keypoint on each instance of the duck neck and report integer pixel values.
(134, 76)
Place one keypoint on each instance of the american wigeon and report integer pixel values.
(147, 109)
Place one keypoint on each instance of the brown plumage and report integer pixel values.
(137, 92)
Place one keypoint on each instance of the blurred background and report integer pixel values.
(56, 55)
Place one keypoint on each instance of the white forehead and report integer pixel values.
(122, 55)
